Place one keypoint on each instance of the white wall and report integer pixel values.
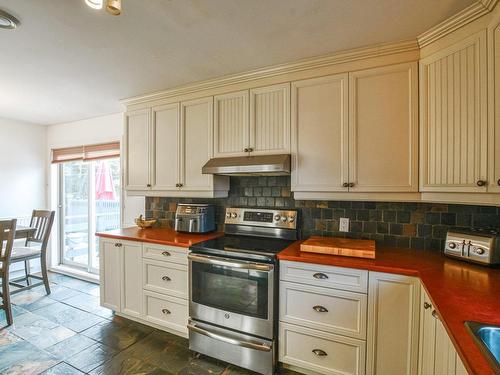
(90, 131)
(22, 168)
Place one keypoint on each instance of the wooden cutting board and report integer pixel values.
(339, 246)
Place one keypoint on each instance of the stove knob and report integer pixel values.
(283, 219)
(291, 219)
(479, 251)
(234, 215)
(277, 217)
(452, 245)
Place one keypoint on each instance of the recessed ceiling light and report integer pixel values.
(94, 4)
(8, 21)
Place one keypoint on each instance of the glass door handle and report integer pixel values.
(229, 263)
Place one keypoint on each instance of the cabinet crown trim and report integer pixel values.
(462, 18)
(362, 53)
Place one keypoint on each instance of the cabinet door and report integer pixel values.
(320, 134)
(196, 143)
(110, 270)
(165, 153)
(453, 117)
(137, 153)
(427, 341)
(270, 119)
(393, 318)
(445, 356)
(131, 301)
(494, 105)
(231, 132)
(383, 129)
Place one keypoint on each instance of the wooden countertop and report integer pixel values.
(460, 291)
(161, 236)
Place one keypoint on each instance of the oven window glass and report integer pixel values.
(230, 289)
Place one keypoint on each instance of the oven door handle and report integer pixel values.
(245, 344)
(230, 263)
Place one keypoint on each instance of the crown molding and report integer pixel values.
(276, 70)
(462, 18)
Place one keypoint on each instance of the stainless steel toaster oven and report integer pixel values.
(482, 247)
(195, 218)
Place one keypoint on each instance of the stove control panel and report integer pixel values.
(262, 217)
(473, 246)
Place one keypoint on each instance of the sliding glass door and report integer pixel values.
(89, 202)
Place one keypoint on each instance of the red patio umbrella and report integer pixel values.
(104, 188)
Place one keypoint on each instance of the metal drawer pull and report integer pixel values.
(118, 245)
(216, 336)
(165, 254)
(435, 314)
(230, 263)
(481, 183)
(319, 352)
(165, 311)
(166, 278)
(427, 305)
(320, 309)
(320, 276)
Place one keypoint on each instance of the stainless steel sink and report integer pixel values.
(488, 338)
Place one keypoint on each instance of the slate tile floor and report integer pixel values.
(68, 333)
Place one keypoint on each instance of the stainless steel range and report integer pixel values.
(233, 286)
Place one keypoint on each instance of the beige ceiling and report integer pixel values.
(68, 62)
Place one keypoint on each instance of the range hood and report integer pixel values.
(259, 165)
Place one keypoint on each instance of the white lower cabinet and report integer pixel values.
(393, 324)
(322, 320)
(437, 354)
(145, 282)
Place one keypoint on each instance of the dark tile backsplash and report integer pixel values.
(409, 225)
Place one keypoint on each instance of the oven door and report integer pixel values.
(232, 293)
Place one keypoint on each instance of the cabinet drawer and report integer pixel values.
(166, 253)
(340, 355)
(325, 309)
(326, 276)
(168, 278)
(167, 311)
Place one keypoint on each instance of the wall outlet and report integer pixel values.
(344, 224)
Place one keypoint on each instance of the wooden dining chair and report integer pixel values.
(7, 234)
(41, 220)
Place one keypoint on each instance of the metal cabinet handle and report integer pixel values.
(250, 149)
(148, 185)
(345, 184)
(320, 276)
(166, 278)
(165, 311)
(351, 184)
(166, 254)
(181, 185)
(498, 182)
(320, 309)
(435, 314)
(118, 244)
(481, 182)
(319, 352)
(427, 305)
(230, 263)
(176, 185)
(245, 150)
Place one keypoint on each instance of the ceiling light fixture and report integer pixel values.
(94, 4)
(8, 21)
(114, 7)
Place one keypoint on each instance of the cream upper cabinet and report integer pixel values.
(165, 152)
(393, 324)
(137, 150)
(270, 120)
(494, 105)
(383, 129)
(196, 143)
(453, 117)
(231, 130)
(320, 134)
